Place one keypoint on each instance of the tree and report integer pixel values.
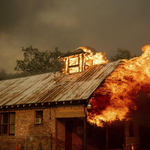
(3, 74)
(122, 54)
(38, 62)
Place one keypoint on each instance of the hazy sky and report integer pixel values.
(102, 24)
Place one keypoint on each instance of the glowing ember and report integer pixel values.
(80, 62)
(132, 147)
(120, 92)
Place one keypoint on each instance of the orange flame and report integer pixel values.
(80, 62)
(119, 94)
(98, 58)
(132, 147)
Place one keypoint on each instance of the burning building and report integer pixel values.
(88, 106)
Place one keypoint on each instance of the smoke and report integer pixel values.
(104, 25)
(5, 76)
(13, 14)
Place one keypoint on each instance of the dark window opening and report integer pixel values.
(8, 123)
(39, 117)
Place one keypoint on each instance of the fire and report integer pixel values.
(120, 92)
(132, 147)
(98, 58)
(80, 62)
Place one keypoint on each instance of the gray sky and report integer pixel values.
(102, 24)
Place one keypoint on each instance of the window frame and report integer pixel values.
(37, 116)
(11, 124)
(74, 65)
(8, 124)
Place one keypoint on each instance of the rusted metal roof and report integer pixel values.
(49, 88)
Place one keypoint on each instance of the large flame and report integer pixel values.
(98, 58)
(119, 93)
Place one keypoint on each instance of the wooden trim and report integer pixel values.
(107, 136)
(8, 125)
(82, 62)
(85, 139)
(0, 124)
(73, 66)
(78, 63)
(74, 112)
(55, 133)
(73, 57)
(11, 124)
(49, 113)
(67, 66)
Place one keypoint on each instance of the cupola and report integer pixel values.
(80, 59)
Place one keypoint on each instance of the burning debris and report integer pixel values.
(120, 91)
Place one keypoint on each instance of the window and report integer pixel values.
(12, 123)
(4, 123)
(39, 117)
(73, 64)
(8, 123)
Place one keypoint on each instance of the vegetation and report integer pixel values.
(35, 62)
(122, 54)
(39, 62)
(4, 75)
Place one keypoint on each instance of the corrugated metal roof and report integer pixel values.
(43, 88)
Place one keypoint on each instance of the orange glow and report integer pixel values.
(80, 62)
(99, 58)
(132, 147)
(92, 59)
(120, 91)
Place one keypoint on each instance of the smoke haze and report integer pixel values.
(103, 25)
